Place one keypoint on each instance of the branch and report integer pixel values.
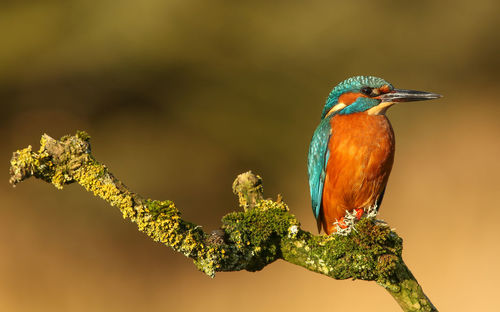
(262, 233)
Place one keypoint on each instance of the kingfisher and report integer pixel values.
(352, 150)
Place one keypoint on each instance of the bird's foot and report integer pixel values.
(359, 213)
(346, 224)
(341, 223)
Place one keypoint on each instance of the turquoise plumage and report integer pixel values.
(317, 161)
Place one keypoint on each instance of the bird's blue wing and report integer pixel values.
(317, 161)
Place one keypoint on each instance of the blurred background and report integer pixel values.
(181, 96)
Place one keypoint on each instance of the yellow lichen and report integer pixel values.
(264, 232)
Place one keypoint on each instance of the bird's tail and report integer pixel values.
(319, 223)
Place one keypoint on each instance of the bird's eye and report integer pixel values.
(366, 91)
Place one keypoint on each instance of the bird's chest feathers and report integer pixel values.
(361, 145)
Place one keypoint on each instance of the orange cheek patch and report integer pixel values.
(385, 89)
(349, 97)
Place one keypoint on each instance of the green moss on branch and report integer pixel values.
(248, 240)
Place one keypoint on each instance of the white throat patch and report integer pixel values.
(380, 109)
(336, 108)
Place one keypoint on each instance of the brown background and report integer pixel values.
(181, 96)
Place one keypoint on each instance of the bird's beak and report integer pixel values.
(400, 95)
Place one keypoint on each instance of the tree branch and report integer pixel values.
(263, 232)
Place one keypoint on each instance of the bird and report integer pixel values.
(352, 150)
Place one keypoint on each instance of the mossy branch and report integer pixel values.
(263, 232)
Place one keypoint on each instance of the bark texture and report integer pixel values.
(263, 232)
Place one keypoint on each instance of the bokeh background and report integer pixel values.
(181, 96)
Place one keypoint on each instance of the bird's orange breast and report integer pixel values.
(361, 153)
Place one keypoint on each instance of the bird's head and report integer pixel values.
(369, 94)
